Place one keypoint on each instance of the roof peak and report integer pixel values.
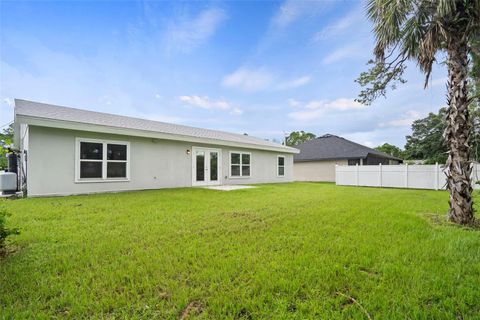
(330, 146)
(328, 135)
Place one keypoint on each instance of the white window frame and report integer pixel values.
(104, 161)
(278, 166)
(241, 176)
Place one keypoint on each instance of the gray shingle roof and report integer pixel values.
(331, 147)
(54, 112)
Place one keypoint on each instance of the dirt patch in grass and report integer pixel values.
(9, 250)
(352, 301)
(436, 219)
(369, 273)
(248, 216)
(193, 308)
(244, 314)
(164, 295)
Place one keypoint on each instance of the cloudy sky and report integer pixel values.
(262, 68)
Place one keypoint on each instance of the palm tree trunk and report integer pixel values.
(457, 133)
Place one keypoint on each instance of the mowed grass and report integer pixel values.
(285, 251)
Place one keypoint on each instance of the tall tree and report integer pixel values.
(391, 150)
(425, 142)
(417, 30)
(298, 137)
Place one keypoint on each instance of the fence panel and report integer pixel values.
(394, 176)
(398, 176)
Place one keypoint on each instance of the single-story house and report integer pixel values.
(72, 151)
(318, 157)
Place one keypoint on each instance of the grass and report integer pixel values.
(288, 251)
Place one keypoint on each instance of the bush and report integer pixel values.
(4, 232)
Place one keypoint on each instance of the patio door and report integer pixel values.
(206, 166)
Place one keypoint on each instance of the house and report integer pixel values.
(318, 157)
(71, 151)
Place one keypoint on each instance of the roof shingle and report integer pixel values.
(54, 112)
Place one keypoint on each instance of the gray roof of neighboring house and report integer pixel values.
(58, 113)
(331, 147)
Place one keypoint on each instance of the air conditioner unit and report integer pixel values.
(8, 182)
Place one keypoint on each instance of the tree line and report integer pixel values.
(426, 140)
(425, 143)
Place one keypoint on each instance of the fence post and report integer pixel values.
(436, 175)
(406, 175)
(380, 173)
(336, 175)
(356, 166)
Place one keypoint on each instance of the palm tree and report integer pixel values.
(418, 30)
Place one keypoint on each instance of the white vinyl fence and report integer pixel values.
(397, 176)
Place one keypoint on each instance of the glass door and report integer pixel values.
(199, 167)
(213, 157)
(206, 166)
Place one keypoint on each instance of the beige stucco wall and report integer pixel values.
(316, 170)
(154, 163)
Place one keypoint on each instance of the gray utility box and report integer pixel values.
(8, 182)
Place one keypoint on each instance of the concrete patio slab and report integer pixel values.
(229, 188)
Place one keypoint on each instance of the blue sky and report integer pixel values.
(262, 68)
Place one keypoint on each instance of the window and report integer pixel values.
(99, 160)
(240, 164)
(281, 166)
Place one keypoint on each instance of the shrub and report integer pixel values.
(4, 232)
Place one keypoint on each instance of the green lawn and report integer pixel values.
(288, 251)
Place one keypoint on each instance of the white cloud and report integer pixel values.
(9, 102)
(292, 10)
(188, 33)
(315, 109)
(307, 115)
(369, 144)
(315, 104)
(288, 13)
(345, 52)
(340, 26)
(236, 111)
(405, 121)
(344, 104)
(294, 83)
(210, 104)
(260, 79)
(205, 102)
(249, 80)
(341, 104)
(398, 123)
(294, 103)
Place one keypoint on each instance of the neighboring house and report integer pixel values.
(318, 157)
(73, 151)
